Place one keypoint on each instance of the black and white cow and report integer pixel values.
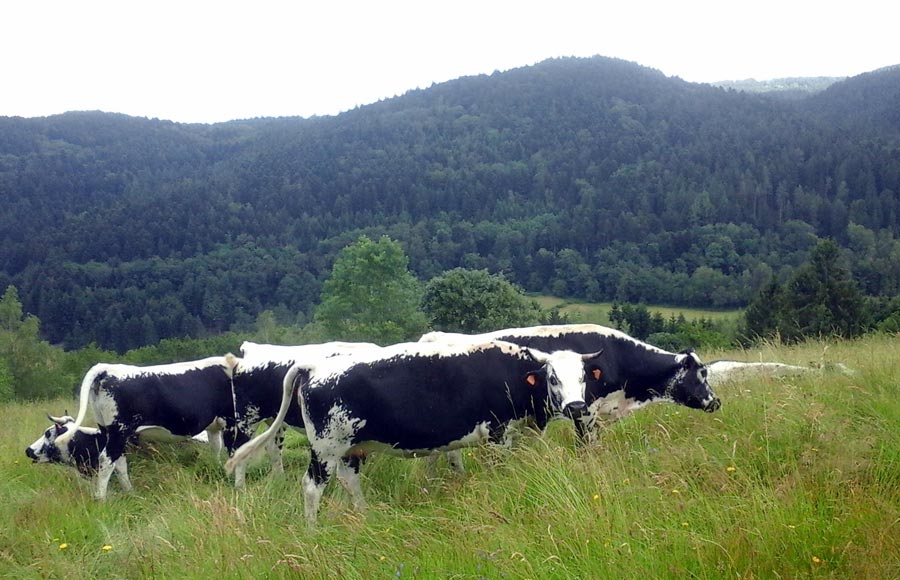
(627, 375)
(257, 382)
(722, 371)
(181, 398)
(83, 448)
(418, 398)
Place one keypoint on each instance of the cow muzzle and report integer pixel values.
(31, 454)
(575, 410)
(713, 405)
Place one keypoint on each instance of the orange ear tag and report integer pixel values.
(597, 374)
(531, 380)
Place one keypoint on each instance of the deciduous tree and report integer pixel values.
(371, 295)
(473, 301)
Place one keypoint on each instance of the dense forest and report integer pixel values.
(586, 178)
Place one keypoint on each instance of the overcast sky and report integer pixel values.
(209, 61)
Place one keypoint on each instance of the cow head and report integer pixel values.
(565, 376)
(44, 450)
(689, 385)
(82, 449)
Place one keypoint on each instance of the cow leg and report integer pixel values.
(274, 448)
(121, 465)
(105, 469)
(234, 438)
(348, 474)
(216, 441)
(314, 481)
(112, 458)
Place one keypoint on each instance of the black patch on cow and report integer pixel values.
(260, 388)
(418, 402)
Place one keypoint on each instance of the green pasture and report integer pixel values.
(795, 477)
(598, 312)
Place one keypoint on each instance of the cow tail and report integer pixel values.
(83, 397)
(246, 451)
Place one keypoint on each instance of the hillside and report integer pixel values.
(589, 178)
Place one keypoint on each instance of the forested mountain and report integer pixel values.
(594, 178)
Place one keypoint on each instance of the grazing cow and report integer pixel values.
(721, 371)
(257, 381)
(417, 398)
(626, 376)
(181, 398)
(83, 448)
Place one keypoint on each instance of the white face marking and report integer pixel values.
(568, 367)
(42, 442)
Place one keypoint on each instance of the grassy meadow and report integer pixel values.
(795, 477)
(598, 312)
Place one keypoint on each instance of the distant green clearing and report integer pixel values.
(597, 312)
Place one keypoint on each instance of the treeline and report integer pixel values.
(585, 178)
(372, 296)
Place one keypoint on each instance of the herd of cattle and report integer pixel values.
(440, 394)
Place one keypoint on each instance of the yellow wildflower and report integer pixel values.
(675, 492)
(596, 496)
(63, 546)
(816, 560)
(106, 548)
(731, 469)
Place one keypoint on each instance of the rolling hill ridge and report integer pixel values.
(593, 178)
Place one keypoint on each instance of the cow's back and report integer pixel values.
(426, 401)
(184, 402)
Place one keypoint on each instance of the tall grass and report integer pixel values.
(797, 477)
